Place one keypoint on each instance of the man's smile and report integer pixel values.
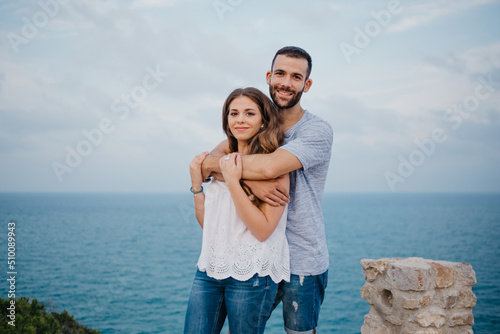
(285, 93)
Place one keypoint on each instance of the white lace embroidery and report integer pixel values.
(229, 249)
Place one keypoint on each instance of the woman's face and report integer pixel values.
(244, 118)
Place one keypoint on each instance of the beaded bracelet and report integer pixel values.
(197, 192)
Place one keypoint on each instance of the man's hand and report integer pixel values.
(269, 191)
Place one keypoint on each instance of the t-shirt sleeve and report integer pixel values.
(312, 144)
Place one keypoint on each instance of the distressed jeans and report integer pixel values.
(302, 298)
(247, 304)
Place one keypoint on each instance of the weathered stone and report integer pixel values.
(432, 317)
(387, 298)
(374, 325)
(467, 299)
(394, 320)
(462, 319)
(450, 301)
(445, 275)
(380, 265)
(417, 296)
(409, 275)
(429, 331)
(411, 304)
(373, 268)
(466, 273)
(367, 293)
(425, 300)
(414, 304)
(371, 274)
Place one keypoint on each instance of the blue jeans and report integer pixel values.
(302, 298)
(247, 304)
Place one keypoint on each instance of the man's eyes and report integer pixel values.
(297, 77)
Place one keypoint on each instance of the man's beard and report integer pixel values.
(284, 105)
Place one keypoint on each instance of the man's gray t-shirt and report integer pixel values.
(310, 140)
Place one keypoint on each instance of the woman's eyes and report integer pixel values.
(249, 113)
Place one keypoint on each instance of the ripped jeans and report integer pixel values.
(247, 304)
(302, 298)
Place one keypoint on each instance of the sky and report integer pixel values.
(119, 96)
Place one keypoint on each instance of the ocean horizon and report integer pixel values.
(124, 262)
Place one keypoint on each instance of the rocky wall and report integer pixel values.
(418, 296)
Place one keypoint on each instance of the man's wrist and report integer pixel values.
(206, 170)
(211, 164)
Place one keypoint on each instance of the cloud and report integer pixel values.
(66, 78)
(422, 13)
(153, 3)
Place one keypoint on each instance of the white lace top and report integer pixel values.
(229, 249)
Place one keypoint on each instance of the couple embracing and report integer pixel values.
(263, 231)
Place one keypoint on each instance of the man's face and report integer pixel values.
(287, 81)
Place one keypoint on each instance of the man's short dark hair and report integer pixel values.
(295, 52)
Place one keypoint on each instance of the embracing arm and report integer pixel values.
(255, 166)
(210, 165)
(269, 166)
(260, 221)
(262, 173)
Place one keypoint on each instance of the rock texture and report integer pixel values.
(414, 295)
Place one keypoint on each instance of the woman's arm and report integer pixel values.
(196, 186)
(260, 221)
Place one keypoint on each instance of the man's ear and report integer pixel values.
(268, 77)
(308, 85)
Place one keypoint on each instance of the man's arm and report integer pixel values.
(255, 166)
(258, 167)
(211, 165)
(269, 166)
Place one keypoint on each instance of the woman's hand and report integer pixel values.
(230, 166)
(195, 171)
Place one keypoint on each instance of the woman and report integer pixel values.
(244, 252)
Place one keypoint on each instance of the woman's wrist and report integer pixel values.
(196, 189)
(232, 182)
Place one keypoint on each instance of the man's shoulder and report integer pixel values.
(314, 122)
(311, 118)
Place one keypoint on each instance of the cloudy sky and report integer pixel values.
(118, 96)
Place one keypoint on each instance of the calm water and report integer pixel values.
(124, 263)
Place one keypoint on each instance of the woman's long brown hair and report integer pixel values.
(268, 139)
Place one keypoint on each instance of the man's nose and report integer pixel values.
(287, 81)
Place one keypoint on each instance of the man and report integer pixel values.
(305, 155)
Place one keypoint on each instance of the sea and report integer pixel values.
(124, 263)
